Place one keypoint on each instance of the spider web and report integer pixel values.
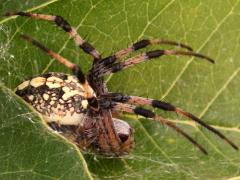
(31, 150)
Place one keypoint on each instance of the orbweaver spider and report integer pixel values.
(80, 107)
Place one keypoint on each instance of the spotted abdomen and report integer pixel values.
(58, 97)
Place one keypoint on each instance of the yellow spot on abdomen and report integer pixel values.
(66, 89)
(54, 82)
(31, 97)
(71, 94)
(71, 79)
(23, 85)
(84, 104)
(38, 81)
(45, 96)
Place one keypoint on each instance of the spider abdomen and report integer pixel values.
(57, 97)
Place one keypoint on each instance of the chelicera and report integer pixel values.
(81, 108)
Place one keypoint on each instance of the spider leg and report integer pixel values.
(113, 68)
(108, 128)
(118, 97)
(61, 22)
(139, 45)
(76, 69)
(151, 115)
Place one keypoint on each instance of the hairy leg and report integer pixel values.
(61, 22)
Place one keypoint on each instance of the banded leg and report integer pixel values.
(139, 45)
(61, 22)
(76, 69)
(118, 97)
(149, 114)
(113, 68)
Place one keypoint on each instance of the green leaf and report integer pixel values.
(30, 150)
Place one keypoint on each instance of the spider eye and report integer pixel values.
(124, 131)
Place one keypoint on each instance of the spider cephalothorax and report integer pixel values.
(81, 108)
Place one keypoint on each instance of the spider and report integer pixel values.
(80, 107)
